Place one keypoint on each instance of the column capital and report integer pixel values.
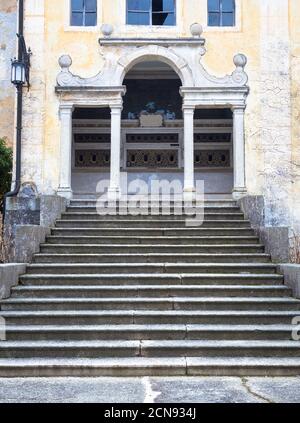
(116, 108)
(188, 109)
(238, 109)
(66, 107)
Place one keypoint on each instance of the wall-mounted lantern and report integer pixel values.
(20, 68)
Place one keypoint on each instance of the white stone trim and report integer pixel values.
(115, 146)
(65, 114)
(239, 184)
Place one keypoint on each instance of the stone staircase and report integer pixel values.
(129, 296)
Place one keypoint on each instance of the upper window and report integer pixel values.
(83, 12)
(221, 12)
(151, 12)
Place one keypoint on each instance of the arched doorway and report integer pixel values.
(152, 126)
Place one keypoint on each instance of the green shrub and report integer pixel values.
(6, 160)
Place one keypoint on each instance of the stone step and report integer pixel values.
(155, 209)
(207, 236)
(151, 217)
(155, 279)
(219, 203)
(150, 303)
(152, 268)
(149, 348)
(142, 224)
(144, 317)
(148, 332)
(153, 258)
(161, 291)
(154, 366)
(151, 248)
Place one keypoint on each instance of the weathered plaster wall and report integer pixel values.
(267, 32)
(8, 24)
(295, 103)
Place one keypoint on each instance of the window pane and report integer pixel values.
(227, 5)
(77, 19)
(214, 5)
(138, 18)
(228, 19)
(90, 19)
(163, 19)
(77, 5)
(90, 5)
(138, 5)
(214, 19)
(163, 5)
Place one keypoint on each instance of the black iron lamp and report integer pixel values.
(17, 73)
(20, 67)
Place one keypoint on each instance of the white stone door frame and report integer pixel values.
(193, 98)
(199, 90)
(233, 98)
(88, 97)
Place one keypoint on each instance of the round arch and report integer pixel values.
(155, 53)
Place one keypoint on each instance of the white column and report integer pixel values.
(239, 184)
(115, 152)
(65, 113)
(188, 117)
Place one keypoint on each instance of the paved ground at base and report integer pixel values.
(150, 390)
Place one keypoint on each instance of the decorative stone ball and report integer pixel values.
(65, 61)
(240, 60)
(107, 30)
(196, 29)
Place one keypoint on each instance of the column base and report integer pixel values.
(113, 194)
(65, 192)
(238, 193)
(189, 194)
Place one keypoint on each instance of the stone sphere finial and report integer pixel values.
(65, 61)
(240, 60)
(196, 30)
(107, 30)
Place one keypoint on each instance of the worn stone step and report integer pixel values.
(69, 349)
(153, 258)
(155, 209)
(152, 217)
(144, 317)
(142, 224)
(153, 366)
(150, 303)
(148, 332)
(220, 203)
(155, 279)
(149, 348)
(219, 348)
(123, 291)
(151, 248)
(153, 268)
(157, 241)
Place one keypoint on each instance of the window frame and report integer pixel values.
(221, 13)
(84, 12)
(150, 13)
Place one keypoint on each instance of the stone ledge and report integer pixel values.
(166, 42)
(9, 277)
(291, 274)
(275, 238)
